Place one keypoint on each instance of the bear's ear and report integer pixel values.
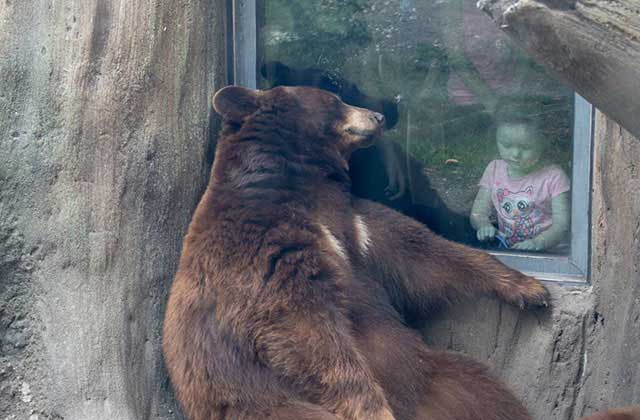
(234, 102)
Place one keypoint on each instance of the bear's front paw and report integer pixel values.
(525, 292)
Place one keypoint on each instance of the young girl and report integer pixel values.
(531, 200)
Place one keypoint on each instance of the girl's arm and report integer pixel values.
(396, 171)
(480, 213)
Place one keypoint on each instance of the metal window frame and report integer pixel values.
(570, 269)
(244, 43)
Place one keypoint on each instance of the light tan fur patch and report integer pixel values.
(359, 119)
(363, 237)
(334, 243)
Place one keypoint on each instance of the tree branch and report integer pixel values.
(591, 45)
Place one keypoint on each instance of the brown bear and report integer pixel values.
(291, 294)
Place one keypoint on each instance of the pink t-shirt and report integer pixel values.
(523, 205)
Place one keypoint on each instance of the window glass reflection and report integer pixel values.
(478, 145)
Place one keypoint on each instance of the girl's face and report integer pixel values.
(520, 146)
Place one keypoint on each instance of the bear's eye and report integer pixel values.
(507, 207)
(522, 205)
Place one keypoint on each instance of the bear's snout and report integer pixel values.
(363, 121)
(378, 117)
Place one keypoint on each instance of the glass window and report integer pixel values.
(482, 145)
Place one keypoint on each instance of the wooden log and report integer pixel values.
(591, 45)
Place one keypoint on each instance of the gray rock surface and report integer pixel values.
(105, 146)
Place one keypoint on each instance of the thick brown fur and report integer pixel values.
(626, 413)
(291, 295)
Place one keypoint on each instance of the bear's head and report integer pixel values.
(279, 74)
(301, 114)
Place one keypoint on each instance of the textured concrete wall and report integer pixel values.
(583, 354)
(104, 151)
(612, 376)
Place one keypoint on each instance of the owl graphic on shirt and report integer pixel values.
(516, 215)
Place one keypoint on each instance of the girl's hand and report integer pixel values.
(486, 233)
(530, 245)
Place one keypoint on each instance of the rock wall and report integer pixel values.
(106, 138)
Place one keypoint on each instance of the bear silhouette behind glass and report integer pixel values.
(368, 167)
(291, 294)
